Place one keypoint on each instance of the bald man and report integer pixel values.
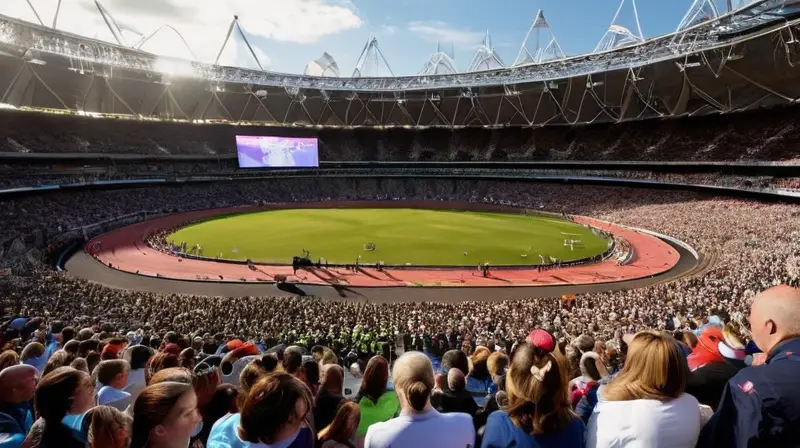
(419, 424)
(456, 398)
(761, 405)
(17, 386)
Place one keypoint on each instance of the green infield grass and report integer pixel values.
(399, 236)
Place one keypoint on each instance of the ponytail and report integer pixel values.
(418, 394)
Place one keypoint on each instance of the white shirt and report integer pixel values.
(644, 423)
(116, 398)
(136, 383)
(452, 430)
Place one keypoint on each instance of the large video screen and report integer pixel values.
(276, 152)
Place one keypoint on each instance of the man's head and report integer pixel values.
(137, 356)
(317, 351)
(292, 359)
(18, 384)
(113, 373)
(775, 316)
(456, 380)
(454, 359)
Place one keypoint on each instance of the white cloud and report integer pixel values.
(438, 31)
(203, 23)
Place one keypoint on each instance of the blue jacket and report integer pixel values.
(760, 405)
(586, 405)
(501, 432)
(15, 422)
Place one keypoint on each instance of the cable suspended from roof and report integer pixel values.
(700, 11)
(440, 63)
(545, 45)
(618, 35)
(371, 62)
(486, 58)
(235, 25)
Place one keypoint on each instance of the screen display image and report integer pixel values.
(276, 152)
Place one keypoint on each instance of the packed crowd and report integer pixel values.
(34, 175)
(727, 137)
(754, 247)
(706, 382)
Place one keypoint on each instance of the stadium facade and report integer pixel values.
(742, 60)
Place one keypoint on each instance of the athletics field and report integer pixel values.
(400, 236)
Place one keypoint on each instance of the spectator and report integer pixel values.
(64, 391)
(272, 415)
(329, 397)
(161, 361)
(293, 361)
(92, 360)
(317, 352)
(112, 376)
(646, 405)
(761, 404)
(8, 358)
(538, 413)
(224, 401)
(541, 339)
(375, 403)
(164, 415)
(33, 355)
(328, 357)
(137, 357)
(311, 372)
(707, 381)
(497, 364)
(706, 351)
(454, 359)
(109, 428)
(479, 379)
(419, 424)
(59, 359)
(17, 388)
(455, 398)
(341, 432)
(251, 374)
(592, 370)
(172, 375)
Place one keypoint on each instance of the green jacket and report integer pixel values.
(385, 409)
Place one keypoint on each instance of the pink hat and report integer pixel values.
(541, 339)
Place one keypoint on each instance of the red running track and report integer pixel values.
(125, 249)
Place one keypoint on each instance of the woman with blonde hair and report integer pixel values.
(109, 428)
(645, 405)
(419, 424)
(538, 411)
(342, 430)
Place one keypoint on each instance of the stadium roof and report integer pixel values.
(538, 46)
(723, 30)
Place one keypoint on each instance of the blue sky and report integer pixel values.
(577, 24)
(288, 33)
